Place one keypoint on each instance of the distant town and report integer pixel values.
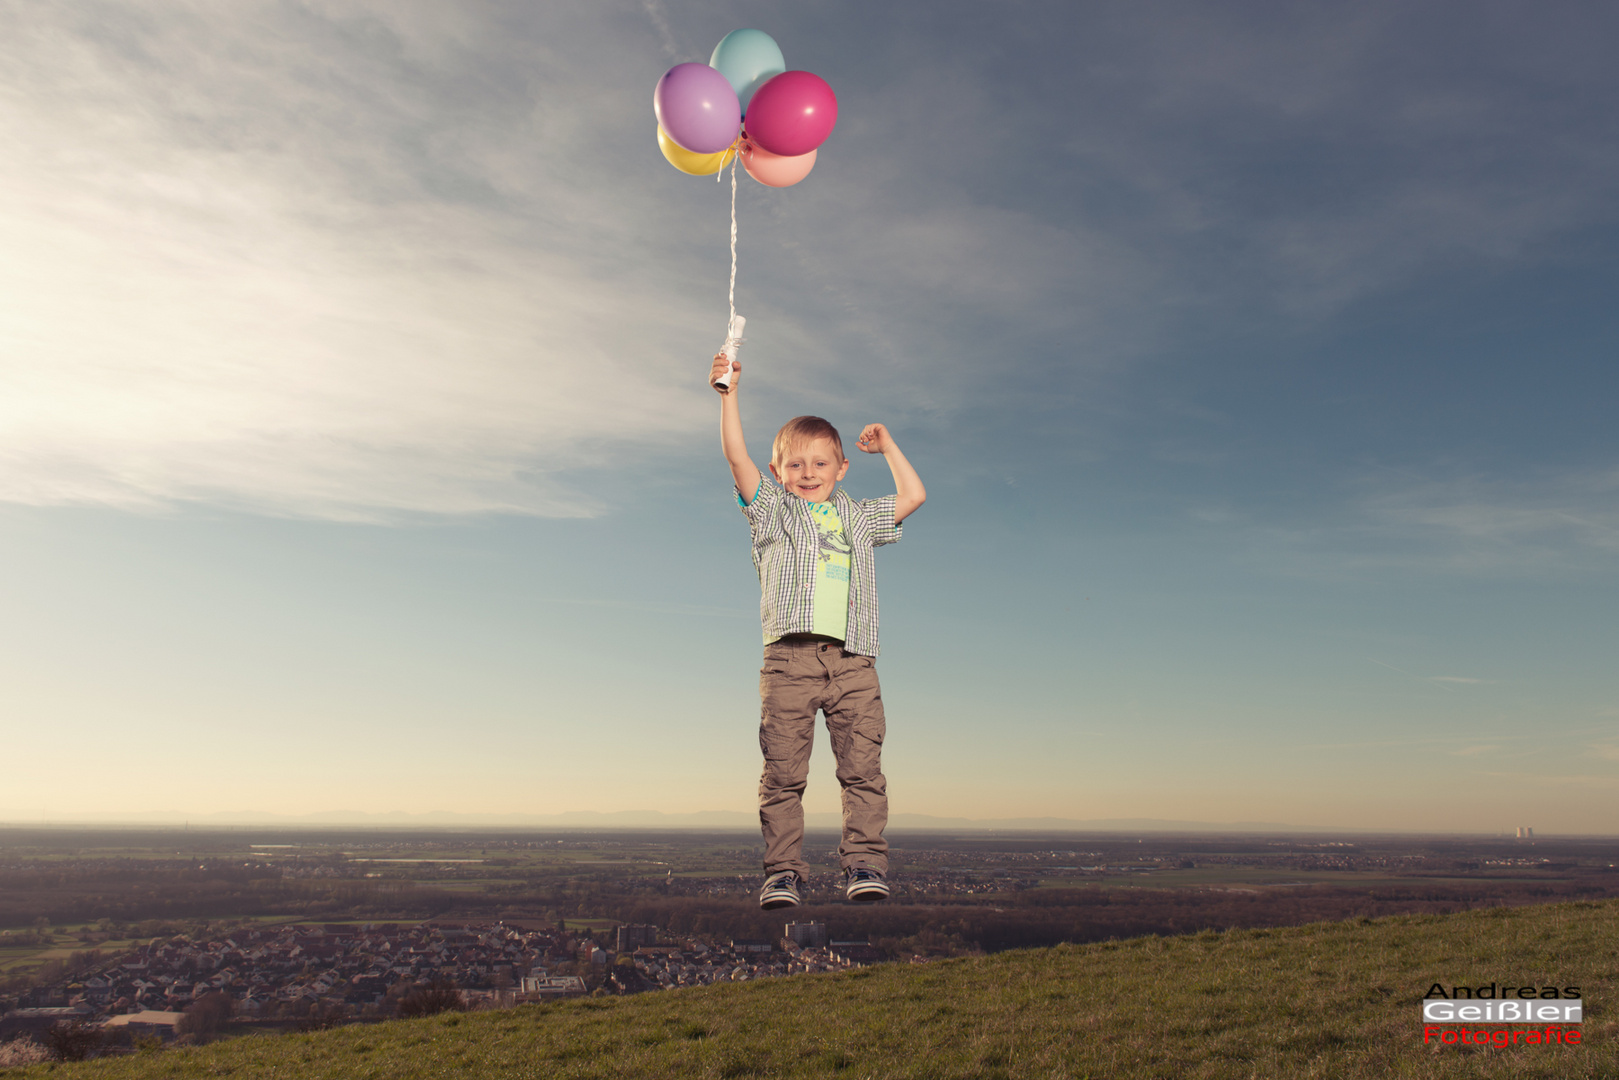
(334, 973)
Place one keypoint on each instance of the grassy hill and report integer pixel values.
(1328, 1000)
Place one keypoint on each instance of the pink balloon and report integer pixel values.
(792, 114)
(773, 170)
(697, 108)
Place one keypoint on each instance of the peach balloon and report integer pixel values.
(774, 170)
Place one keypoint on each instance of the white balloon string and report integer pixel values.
(734, 156)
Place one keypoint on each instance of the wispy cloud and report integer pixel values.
(1554, 780)
(273, 258)
(1561, 743)
(1330, 156)
(1500, 516)
(660, 22)
(1533, 523)
(1441, 679)
(360, 259)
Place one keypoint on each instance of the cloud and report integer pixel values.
(264, 258)
(660, 21)
(1492, 512)
(1338, 154)
(1531, 780)
(357, 260)
(1443, 680)
(1476, 751)
(1535, 523)
(353, 262)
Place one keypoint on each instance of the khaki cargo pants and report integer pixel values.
(800, 677)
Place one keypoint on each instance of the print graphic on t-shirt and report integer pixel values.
(832, 546)
(832, 588)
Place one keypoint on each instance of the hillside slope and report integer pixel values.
(1329, 1000)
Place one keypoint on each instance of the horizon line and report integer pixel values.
(727, 821)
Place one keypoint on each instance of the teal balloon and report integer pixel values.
(748, 59)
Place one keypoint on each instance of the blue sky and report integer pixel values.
(355, 453)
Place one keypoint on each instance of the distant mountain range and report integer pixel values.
(652, 819)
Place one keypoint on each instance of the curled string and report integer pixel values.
(736, 152)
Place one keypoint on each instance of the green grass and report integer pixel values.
(16, 958)
(1332, 1000)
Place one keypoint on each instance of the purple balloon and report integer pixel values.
(697, 108)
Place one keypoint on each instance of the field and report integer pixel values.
(1336, 1000)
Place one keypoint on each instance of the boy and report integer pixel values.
(812, 548)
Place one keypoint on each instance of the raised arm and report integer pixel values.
(911, 494)
(743, 470)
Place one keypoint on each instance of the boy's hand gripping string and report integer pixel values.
(733, 341)
(733, 329)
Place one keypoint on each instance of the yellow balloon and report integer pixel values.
(688, 162)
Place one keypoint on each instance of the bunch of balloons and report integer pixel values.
(744, 101)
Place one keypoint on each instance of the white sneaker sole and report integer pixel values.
(772, 898)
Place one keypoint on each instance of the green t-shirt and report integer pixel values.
(832, 572)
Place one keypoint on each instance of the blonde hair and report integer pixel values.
(803, 429)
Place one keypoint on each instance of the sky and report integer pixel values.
(356, 453)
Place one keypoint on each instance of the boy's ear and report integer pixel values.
(843, 470)
(774, 475)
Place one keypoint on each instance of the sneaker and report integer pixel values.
(865, 885)
(781, 890)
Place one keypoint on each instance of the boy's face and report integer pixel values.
(811, 469)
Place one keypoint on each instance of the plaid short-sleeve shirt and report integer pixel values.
(786, 545)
